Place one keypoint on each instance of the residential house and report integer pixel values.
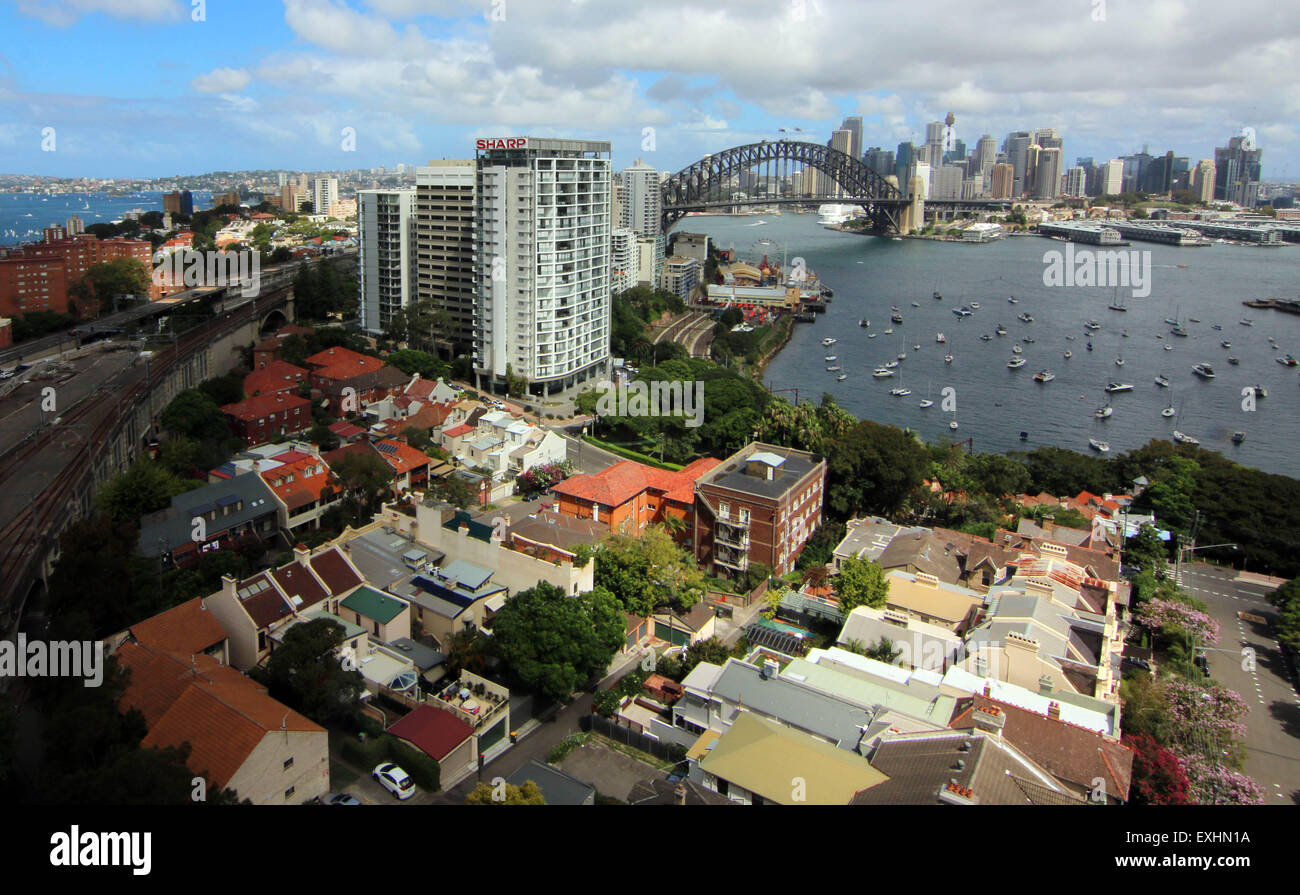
(927, 599)
(268, 417)
(759, 506)
(865, 538)
(759, 762)
(694, 626)
(554, 536)
(442, 736)
(1083, 761)
(662, 791)
(217, 516)
(383, 616)
(336, 369)
(305, 488)
(277, 376)
(920, 645)
(630, 496)
(240, 738)
(453, 598)
(188, 630)
(410, 466)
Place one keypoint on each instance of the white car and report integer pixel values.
(395, 780)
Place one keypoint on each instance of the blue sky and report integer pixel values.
(140, 88)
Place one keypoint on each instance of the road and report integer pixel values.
(587, 457)
(1273, 703)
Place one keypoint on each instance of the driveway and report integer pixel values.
(1273, 703)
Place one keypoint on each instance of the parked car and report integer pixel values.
(1202, 663)
(395, 780)
(338, 798)
(1137, 663)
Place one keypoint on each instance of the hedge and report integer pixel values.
(424, 770)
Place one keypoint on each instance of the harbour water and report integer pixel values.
(24, 216)
(994, 404)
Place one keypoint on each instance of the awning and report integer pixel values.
(494, 603)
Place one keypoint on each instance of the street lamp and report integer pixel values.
(1181, 550)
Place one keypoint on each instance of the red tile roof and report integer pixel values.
(277, 376)
(421, 389)
(344, 429)
(401, 456)
(626, 479)
(1072, 753)
(263, 405)
(222, 714)
(187, 628)
(310, 476)
(342, 363)
(333, 569)
(437, 732)
(296, 581)
(457, 431)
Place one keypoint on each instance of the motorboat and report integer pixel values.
(871, 335)
(926, 403)
(902, 356)
(940, 337)
(947, 358)
(1090, 345)
(975, 305)
(1026, 318)
(1092, 325)
(896, 318)
(1068, 354)
(938, 296)
(1116, 387)
(1016, 363)
(841, 377)
(1261, 392)
(1001, 330)
(901, 392)
(1099, 445)
(953, 425)
(1044, 376)
(1119, 361)
(881, 373)
(890, 331)
(1235, 361)
(1169, 411)
(1179, 331)
(1016, 349)
(831, 357)
(864, 323)
(1226, 344)
(1216, 326)
(916, 304)
(1013, 299)
(1028, 340)
(916, 347)
(1169, 348)
(962, 311)
(1205, 371)
(1182, 438)
(1246, 321)
(1193, 319)
(828, 341)
(834, 368)
(1288, 361)
(986, 338)
(1238, 437)
(1104, 412)
(1162, 381)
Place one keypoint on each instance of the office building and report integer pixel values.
(1237, 171)
(1112, 178)
(946, 182)
(386, 266)
(542, 244)
(1047, 180)
(1002, 179)
(1203, 180)
(444, 247)
(934, 137)
(985, 157)
(324, 192)
(1016, 147)
(1076, 182)
(904, 157)
(880, 160)
(843, 141)
(853, 124)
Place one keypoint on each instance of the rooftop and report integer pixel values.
(433, 730)
(372, 604)
(739, 472)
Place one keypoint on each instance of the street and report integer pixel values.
(1273, 720)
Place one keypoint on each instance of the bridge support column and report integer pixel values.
(913, 216)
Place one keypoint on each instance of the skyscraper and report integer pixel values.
(1047, 180)
(853, 124)
(386, 265)
(1237, 168)
(842, 140)
(641, 201)
(986, 156)
(903, 160)
(1112, 179)
(880, 160)
(1203, 180)
(1030, 186)
(934, 143)
(542, 246)
(1002, 181)
(1016, 146)
(444, 246)
(325, 192)
(1076, 180)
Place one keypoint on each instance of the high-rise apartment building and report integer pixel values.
(624, 260)
(641, 200)
(542, 245)
(444, 247)
(386, 268)
(325, 191)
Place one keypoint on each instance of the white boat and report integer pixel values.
(953, 425)
(926, 403)
(1162, 381)
(1169, 411)
(940, 337)
(828, 341)
(1013, 299)
(1104, 412)
(1119, 361)
(947, 358)
(1182, 438)
(916, 347)
(841, 377)
(1100, 446)
(901, 392)
(871, 335)
(1015, 349)
(831, 357)
(1169, 348)
(881, 373)
(1044, 376)
(1205, 371)
(975, 305)
(1113, 387)
(1068, 354)
(890, 331)
(1016, 363)
(892, 365)
(834, 368)
(902, 356)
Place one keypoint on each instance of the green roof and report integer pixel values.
(374, 604)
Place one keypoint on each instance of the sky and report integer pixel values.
(151, 88)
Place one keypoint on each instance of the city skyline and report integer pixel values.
(419, 81)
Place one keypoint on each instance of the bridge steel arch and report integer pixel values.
(692, 188)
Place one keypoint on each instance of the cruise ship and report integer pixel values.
(834, 215)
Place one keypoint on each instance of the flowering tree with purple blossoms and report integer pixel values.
(1210, 783)
(1172, 619)
(1205, 720)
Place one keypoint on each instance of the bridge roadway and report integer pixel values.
(48, 476)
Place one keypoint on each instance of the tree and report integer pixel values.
(555, 642)
(99, 584)
(195, 415)
(1158, 776)
(884, 650)
(305, 672)
(101, 282)
(410, 362)
(528, 794)
(145, 486)
(1145, 550)
(455, 491)
(1287, 599)
(860, 582)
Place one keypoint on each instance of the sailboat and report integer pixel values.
(927, 402)
(1179, 436)
(1115, 303)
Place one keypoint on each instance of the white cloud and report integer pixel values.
(62, 13)
(222, 80)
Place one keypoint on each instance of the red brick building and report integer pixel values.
(760, 505)
(277, 376)
(628, 496)
(265, 418)
(37, 277)
(335, 369)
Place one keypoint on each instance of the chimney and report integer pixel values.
(229, 584)
(1049, 523)
(989, 719)
(302, 553)
(1054, 711)
(680, 794)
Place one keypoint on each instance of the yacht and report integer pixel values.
(1068, 354)
(881, 373)
(986, 338)
(1044, 376)
(1113, 387)
(892, 365)
(896, 318)
(1246, 321)
(841, 377)
(1169, 411)
(1100, 446)
(1288, 361)
(901, 392)
(926, 403)
(1092, 324)
(1016, 363)
(1235, 361)
(1205, 371)
(831, 357)
(975, 305)
(1001, 330)
(947, 358)
(1226, 344)
(1162, 381)
(1184, 439)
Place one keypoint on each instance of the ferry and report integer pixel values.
(1162, 381)
(1016, 363)
(1100, 446)
(1113, 387)
(1205, 371)
(1044, 376)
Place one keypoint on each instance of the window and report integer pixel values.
(288, 793)
(288, 763)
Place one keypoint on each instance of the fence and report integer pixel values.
(629, 737)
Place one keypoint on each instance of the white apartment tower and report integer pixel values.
(386, 268)
(325, 192)
(641, 210)
(624, 260)
(542, 260)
